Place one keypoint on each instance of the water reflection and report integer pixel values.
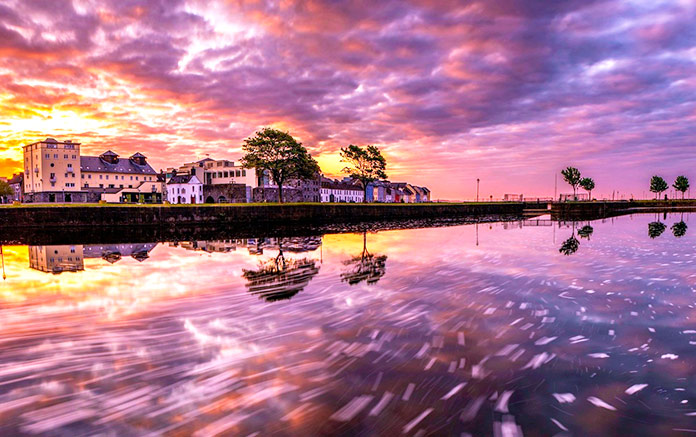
(655, 229)
(280, 278)
(487, 331)
(365, 267)
(679, 229)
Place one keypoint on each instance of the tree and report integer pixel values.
(588, 185)
(365, 267)
(658, 185)
(5, 189)
(655, 229)
(279, 154)
(586, 231)
(679, 229)
(681, 184)
(366, 165)
(569, 246)
(572, 176)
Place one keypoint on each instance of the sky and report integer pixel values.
(509, 92)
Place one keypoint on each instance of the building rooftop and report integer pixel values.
(182, 179)
(96, 164)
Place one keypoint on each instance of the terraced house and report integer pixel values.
(56, 172)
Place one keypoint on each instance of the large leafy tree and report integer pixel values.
(658, 185)
(279, 154)
(588, 185)
(572, 176)
(681, 184)
(364, 164)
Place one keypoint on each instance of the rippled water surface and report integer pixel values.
(506, 329)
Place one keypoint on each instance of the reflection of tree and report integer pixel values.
(679, 229)
(365, 267)
(278, 278)
(655, 229)
(569, 246)
(586, 231)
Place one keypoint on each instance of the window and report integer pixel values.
(121, 186)
(243, 172)
(101, 185)
(52, 176)
(131, 177)
(239, 173)
(48, 155)
(55, 155)
(52, 164)
(226, 174)
(74, 157)
(107, 177)
(101, 176)
(65, 156)
(89, 176)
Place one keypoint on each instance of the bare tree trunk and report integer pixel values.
(280, 193)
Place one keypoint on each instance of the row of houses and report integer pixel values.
(56, 172)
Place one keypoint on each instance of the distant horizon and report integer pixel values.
(506, 92)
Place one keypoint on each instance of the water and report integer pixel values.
(504, 329)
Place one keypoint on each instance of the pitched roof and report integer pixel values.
(138, 155)
(96, 164)
(109, 153)
(183, 179)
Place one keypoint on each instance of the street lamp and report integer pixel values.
(477, 189)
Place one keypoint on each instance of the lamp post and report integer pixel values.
(477, 189)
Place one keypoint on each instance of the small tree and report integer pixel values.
(679, 229)
(572, 176)
(658, 185)
(655, 229)
(681, 184)
(5, 189)
(588, 185)
(281, 155)
(366, 165)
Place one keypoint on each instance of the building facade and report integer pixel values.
(54, 171)
(17, 184)
(339, 191)
(184, 189)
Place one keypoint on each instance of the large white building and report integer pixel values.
(56, 172)
(218, 172)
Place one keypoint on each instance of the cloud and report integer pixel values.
(508, 91)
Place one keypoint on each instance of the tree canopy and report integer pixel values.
(681, 183)
(5, 189)
(364, 164)
(658, 185)
(588, 185)
(573, 177)
(279, 154)
(679, 229)
(655, 229)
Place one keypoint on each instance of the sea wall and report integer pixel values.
(231, 215)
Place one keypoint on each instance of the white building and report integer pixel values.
(185, 188)
(335, 191)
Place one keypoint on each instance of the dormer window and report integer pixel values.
(109, 157)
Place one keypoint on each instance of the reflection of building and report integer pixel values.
(70, 258)
(114, 252)
(222, 246)
(255, 246)
(56, 259)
